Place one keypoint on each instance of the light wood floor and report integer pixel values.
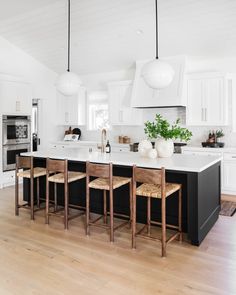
(40, 259)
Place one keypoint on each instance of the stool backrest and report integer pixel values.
(150, 176)
(57, 165)
(99, 170)
(23, 162)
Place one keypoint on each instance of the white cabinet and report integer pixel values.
(120, 110)
(228, 166)
(207, 99)
(145, 97)
(15, 98)
(229, 173)
(72, 110)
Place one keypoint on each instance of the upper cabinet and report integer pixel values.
(72, 110)
(208, 96)
(145, 97)
(120, 110)
(15, 98)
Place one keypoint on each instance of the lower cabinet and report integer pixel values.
(228, 167)
(229, 173)
(7, 178)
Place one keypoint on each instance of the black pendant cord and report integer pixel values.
(68, 65)
(156, 30)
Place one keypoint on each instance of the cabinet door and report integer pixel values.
(195, 102)
(229, 172)
(72, 110)
(8, 94)
(121, 112)
(15, 98)
(24, 99)
(215, 101)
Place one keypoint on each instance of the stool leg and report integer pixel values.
(87, 208)
(16, 195)
(32, 198)
(111, 217)
(131, 203)
(163, 226)
(180, 215)
(105, 206)
(149, 216)
(55, 196)
(66, 206)
(38, 201)
(134, 221)
(47, 202)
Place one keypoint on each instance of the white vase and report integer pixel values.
(164, 147)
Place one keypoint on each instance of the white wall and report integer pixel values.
(98, 82)
(14, 61)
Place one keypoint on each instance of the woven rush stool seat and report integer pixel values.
(61, 175)
(154, 186)
(154, 190)
(30, 172)
(37, 172)
(72, 176)
(105, 181)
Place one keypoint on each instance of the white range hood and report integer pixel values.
(172, 96)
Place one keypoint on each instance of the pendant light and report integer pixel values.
(156, 73)
(68, 83)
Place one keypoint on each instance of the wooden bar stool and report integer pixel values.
(107, 182)
(30, 172)
(59, 169)
(154, 186)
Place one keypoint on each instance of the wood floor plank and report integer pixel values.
(45, 259)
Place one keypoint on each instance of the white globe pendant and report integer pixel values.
(68, 83)
(157, 74)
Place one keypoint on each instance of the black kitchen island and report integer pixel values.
(199, 176)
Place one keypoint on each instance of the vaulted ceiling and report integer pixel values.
(110, 35)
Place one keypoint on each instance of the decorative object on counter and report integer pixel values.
(213, 139)
(164, 133)
(124, 139)
(152, 153)
(69, 131)
(68, 83)
(144, 147)
(108, 147)
(157, 74)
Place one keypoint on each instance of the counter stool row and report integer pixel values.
(151, 184)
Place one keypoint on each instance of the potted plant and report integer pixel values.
(164, 133)
(219, 134)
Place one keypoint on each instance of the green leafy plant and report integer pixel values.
(162, 128)
(219, 133)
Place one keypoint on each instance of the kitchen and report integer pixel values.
(113, 88)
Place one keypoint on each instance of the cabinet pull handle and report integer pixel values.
(66, 117)
(205, 114)
(121, 116)
(203, 119)
(234, 157)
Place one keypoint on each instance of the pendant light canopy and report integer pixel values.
(156, 73)
(68, 83)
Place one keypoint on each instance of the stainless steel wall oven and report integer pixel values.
(16, 139)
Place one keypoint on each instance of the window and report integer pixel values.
(98, 115)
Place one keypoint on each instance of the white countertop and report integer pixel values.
(178, 162)
(87, 143)
(200, 148)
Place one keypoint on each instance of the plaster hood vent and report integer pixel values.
(172, 96)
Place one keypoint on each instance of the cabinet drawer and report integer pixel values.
(230, 156)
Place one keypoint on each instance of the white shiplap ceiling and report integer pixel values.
(110, 35)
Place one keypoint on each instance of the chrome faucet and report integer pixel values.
(103, 140)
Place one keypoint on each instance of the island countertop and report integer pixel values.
(178, 162)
